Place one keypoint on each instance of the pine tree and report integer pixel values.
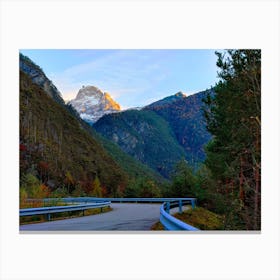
(183, 180)
(233, 117)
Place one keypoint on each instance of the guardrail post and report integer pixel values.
(180, 206)
(167, 207)
(193, 203)
(83, 212)
(101, 210)
(48, 216)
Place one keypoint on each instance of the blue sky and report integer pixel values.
(132, 77)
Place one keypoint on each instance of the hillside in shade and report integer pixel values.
(162, 133)
(185, 116)
(144, 135)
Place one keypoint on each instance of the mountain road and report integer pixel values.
(124, 216)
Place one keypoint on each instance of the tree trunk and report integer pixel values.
(241, 182)
(256, 199)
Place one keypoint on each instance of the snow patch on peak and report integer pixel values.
(89, 91)
(91, 103)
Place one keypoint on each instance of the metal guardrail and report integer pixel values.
(120, 200)
(171, 223)
(58, 209)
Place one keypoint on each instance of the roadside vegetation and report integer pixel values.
(199, 217)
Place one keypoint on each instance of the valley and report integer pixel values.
(177, 146)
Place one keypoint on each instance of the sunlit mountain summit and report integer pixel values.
(91, 103)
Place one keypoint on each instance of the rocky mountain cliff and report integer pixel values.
(36, 74)
(91, 103)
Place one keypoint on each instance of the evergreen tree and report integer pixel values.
(233, 117)
(142, 187)
(183, 180)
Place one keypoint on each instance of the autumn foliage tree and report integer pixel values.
(96, 188)
(32, 187)
(43, 168)
(69, 181)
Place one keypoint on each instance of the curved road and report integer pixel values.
(125, 216)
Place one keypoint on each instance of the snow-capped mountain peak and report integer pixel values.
(91, 103)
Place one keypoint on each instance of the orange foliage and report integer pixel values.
(44, 191)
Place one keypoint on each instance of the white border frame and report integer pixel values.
(146, 24)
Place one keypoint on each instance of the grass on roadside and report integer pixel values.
(24, 203)
(199, 217)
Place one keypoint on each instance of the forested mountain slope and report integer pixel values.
(144, 135)
(162, 133)
(185, 116)
(56, 148)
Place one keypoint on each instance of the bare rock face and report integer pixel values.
(38, 77)
(91, 103)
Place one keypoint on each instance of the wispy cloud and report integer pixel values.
(135, 77)
(124, 74)
(132, 77)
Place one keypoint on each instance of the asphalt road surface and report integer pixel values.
(124, 216)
